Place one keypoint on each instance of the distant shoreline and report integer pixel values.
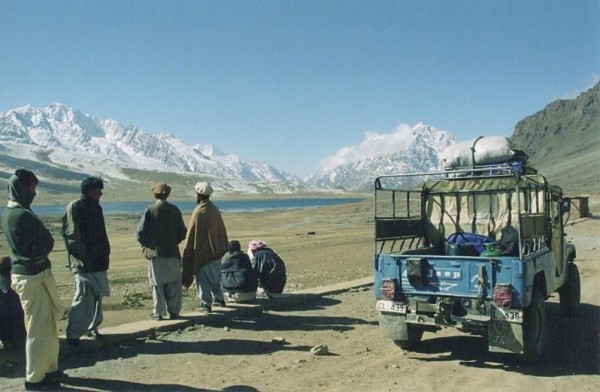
(47, 199)
(225, 205)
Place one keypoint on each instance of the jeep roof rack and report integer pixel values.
(515, 168)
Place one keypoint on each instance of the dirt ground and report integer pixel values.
(271, 351)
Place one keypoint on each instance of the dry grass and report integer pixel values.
(319, 245)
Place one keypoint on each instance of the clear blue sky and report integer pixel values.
(293, 82)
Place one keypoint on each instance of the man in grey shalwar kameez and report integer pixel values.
(84, 232)
(160, 231)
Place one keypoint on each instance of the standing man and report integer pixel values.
(160, 231)
(206, 243)
(88, 251)
(31, 243)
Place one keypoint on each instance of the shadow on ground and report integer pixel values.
(162, 343)
(99, 384)
(573, 347)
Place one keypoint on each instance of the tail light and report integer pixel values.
(388, 288)
(502, 295)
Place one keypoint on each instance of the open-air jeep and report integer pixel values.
(477, 248)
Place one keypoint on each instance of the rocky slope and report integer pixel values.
(562, 141)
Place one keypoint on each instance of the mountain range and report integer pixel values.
(63, 145)
(420, 155)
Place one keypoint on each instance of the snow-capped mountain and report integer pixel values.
(63, 145)
(420, 155)
(64, 137)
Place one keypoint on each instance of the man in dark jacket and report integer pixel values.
(238, 278)
(88, 250)
(31, 243)
(160, 231)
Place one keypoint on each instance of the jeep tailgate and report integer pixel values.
(464, 276)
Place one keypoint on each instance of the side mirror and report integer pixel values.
(565, 205)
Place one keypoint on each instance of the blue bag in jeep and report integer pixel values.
(470, 240)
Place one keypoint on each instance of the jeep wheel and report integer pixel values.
(414, 335)
(534, 327)
(570, 292)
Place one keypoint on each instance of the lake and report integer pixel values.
(186, 207)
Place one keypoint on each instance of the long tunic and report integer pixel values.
(30, 243)
(206, 240)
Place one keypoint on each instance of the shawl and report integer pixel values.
(206, 240)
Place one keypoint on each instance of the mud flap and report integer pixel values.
(393, 326)
(505, 337)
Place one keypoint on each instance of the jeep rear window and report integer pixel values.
(483, 205)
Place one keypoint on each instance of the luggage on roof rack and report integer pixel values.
(482, 151)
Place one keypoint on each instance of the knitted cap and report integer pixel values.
(203, 188)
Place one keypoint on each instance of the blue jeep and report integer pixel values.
(477, 248)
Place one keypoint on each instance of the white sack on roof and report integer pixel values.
(489, 149)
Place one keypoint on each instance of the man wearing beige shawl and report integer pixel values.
(206, 242)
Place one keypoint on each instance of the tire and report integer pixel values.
(414, 338)
(570, 292)
(534, 327)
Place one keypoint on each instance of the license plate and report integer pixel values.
(390, 306)
(510, 315)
